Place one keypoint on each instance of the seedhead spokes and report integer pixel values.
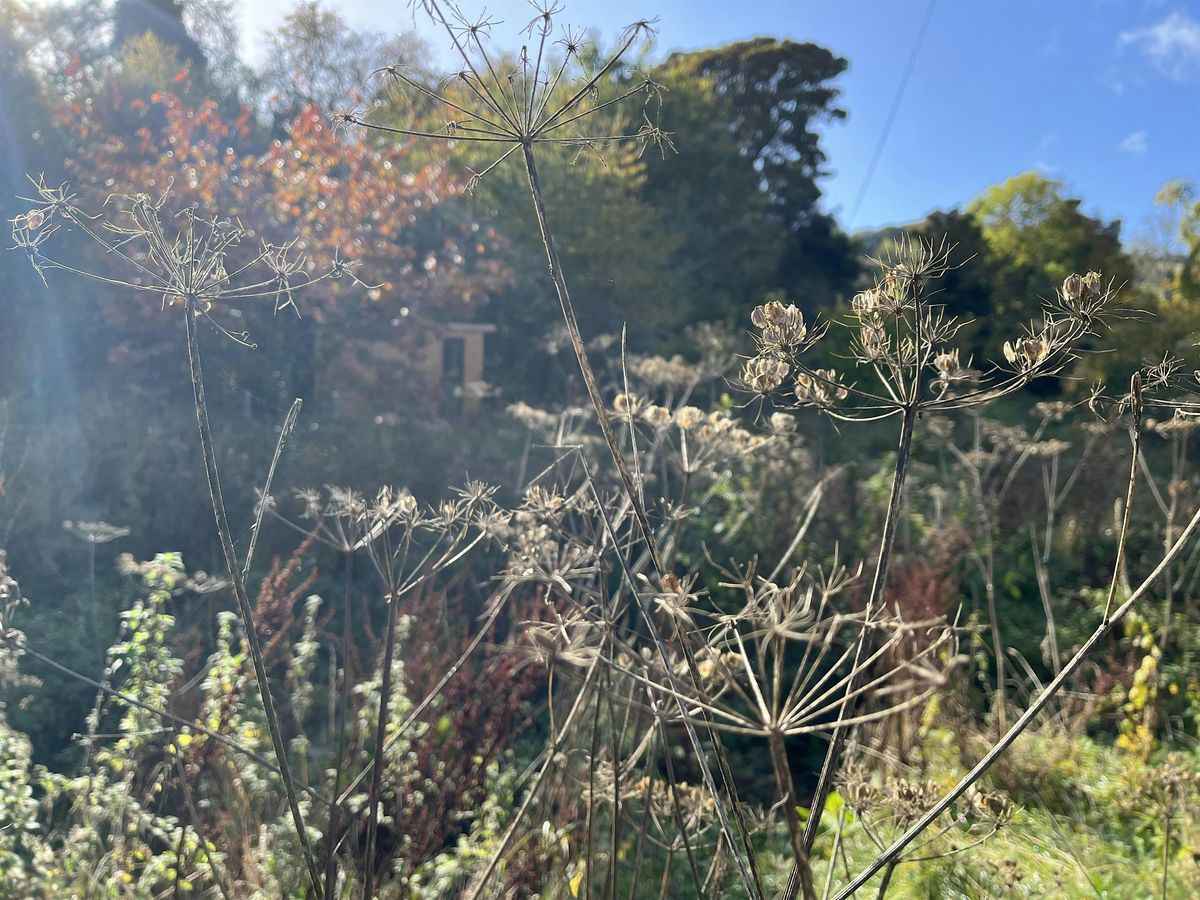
(188, 258)
(551, 91)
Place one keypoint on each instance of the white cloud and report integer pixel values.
(1172, 45)
(1135, 144)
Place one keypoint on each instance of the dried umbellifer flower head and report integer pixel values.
(781, 326)
(764, 374)
(992, 807)
(689, 417)
(821, 388)
(657, 417)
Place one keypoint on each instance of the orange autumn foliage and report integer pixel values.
(374, 202)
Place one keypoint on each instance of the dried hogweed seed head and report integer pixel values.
(657, 417)
(1083, 296)
(949, 368)
(763, 374)
(783, 423)
(781, 325)
(946, 362)
(627, 404)
(821, 388)
(688, 417)
(1026, 353)
(1072, 288)
(874, 340)
(866, 304)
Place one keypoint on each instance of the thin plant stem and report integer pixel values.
(791, 814)
(1043, 581)
(665, 881)
(385, 690)
(833, 853)
(239, 592)
(887, 879)
(289, 423)
(1166, 852)
(92, 591)
(833, 755)
(341, 721)
(589, 846)
(1001, 699)
(610, 885)
(1125, 516)
(676, 802)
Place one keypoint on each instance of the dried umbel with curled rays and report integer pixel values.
(544, 96)
(187, 259)
(779, 663)
(902, 344)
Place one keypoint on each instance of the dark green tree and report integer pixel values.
(162, 18)
(775, 93)
(728, 252)
(967, 289)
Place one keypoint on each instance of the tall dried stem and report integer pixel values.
(385, 692)
(245, 610)
(829, 767)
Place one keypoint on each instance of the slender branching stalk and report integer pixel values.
(829, 767)
(385, 693)
(1135, 393)
(189, 267)
(245, 610)
(791, 812)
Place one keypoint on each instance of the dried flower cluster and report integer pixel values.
(902, 340)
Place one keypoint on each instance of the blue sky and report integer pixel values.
(1104, 94)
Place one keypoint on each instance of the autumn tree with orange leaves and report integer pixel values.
(399, 215)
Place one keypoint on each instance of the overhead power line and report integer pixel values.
(891, 117)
